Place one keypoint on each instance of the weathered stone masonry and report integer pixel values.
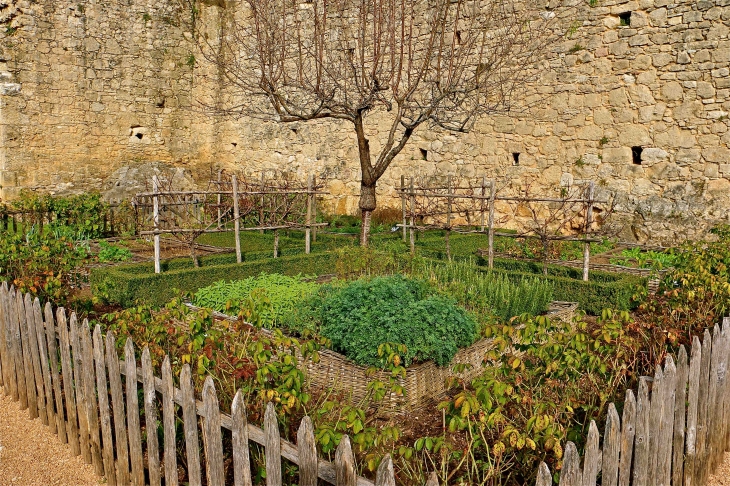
(95, 92)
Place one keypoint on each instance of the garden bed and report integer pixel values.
(423, 384)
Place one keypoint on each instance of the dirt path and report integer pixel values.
(30, 455)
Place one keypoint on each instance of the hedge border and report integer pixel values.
(120, 285)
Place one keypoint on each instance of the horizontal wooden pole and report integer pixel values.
(283, 192)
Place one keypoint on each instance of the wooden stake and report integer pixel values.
(236, 219)
(448, 218)
(481, 208)
(156, 216)
(413, 219)
(218, 198)
(308, 230)
(262, 201)
(403, 205)
(589, 217)
(314, 209)
(492, 195)
(276, 244)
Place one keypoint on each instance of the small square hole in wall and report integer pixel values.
(515, 158)
(625, 19)
(636, 155)
(424, 154)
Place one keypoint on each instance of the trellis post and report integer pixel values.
(481, 203)
(492, 196)
(156, 216)
(314, 208)
(236, 218)
(218, 198)
(403, 205)
(589, 217)
(413, 220)
(263, 200)
(308, 229)
(448, 217)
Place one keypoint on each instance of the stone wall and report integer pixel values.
(92, 91)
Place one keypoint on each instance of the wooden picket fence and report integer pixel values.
(73, 380)
(674, 434)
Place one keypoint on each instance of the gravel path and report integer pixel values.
(30, 455)
(722, 475)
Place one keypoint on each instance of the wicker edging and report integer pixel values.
(423, 382)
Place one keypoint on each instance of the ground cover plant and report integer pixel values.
(281, 293)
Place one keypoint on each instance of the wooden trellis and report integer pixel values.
(246, 204)
(468, 206)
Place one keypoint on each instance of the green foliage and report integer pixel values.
(692, 296)
(577, 47)
(603, 290)
(548, 379)
(113, 253)
(264, 367)
(360, 316)
(45, 264)
(127, 284)
(82, 214)
(488, 293)
(281, 292)
(636, 257)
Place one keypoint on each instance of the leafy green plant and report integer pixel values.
(113, 253)
(283, 293)
(44, 264)
(655, 260)
(360, 316)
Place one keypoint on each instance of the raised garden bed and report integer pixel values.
(423, 383)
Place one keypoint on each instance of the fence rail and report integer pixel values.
(73, 380)
(674, 431)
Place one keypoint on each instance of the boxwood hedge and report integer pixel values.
(126, 284)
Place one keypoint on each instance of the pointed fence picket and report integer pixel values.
(675, 433)
(71, 377)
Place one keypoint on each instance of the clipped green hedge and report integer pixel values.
(603, 289)
(125, 284)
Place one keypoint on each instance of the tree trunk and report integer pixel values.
(367, 206)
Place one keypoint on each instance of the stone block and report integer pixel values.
(619, 155)
(720, 155)
(705, 90)
(654, 155)
(672, 91)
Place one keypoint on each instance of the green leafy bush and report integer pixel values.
(43, 264)
(82, 214)
(360, 316)
(281, 292)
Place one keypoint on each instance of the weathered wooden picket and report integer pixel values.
(73, 380)
(674, 431)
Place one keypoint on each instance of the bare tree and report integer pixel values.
(403, 62)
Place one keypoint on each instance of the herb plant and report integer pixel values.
(281, 293)
(360, 316)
